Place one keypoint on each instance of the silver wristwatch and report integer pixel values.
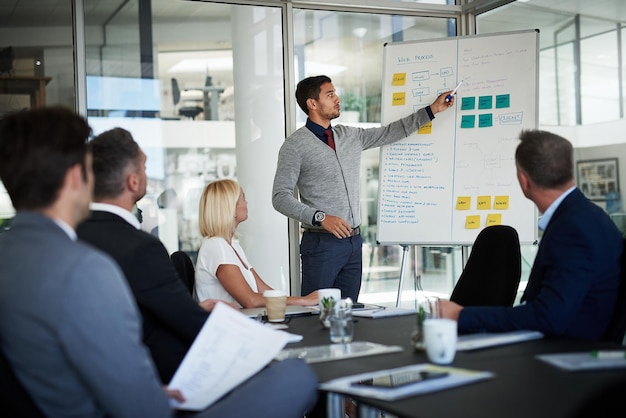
(319, 217)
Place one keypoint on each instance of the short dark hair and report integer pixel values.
(37, 148)
(547, 158)
(114, 151)
(309, 88)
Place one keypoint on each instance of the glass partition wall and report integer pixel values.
(166, 70)
(195, 126)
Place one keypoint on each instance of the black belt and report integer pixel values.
(354, 232)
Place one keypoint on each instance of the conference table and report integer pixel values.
(522, 386)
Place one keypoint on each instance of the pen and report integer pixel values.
(449, 96)
(608, 354)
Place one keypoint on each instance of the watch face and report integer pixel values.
(320, 216)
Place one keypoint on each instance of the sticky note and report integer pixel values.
(399, 79)
(483, 202)
(463, 202)
(485, 102)
(468, 103)
(485, 120)
(501, 202)
(468, 121)
(398, 99)
(503, 100)
(472, 222)
(494, 219)
(426, 129)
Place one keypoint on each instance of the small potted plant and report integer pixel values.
(328, 303)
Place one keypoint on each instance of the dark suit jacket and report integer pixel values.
(572, 288)
(171, 318)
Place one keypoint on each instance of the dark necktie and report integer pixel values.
(329, 138)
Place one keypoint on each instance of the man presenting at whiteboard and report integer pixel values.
(573, 284)
(323, 162)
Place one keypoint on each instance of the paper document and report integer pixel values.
(329, 352)
(588, 360)
(493, 339)
(224, 354)
(454, 377)
(382, 312)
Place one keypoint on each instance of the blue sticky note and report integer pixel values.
(485, 102)
(485, 120)
(468, 121)
(503, 100)
(468, 103)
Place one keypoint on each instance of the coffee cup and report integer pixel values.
(440, 336)
(276, 305)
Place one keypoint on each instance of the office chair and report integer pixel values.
(6, 60)
(616, 331)
(13, 395)
(186, 270)
(186, 111)
(493, 270)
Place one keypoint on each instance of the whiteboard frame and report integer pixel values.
(452, 242)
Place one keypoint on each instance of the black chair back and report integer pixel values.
(186, 270)
(493, 270)
(617, 326)
(14, 398)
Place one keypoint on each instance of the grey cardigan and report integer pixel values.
(329, 180)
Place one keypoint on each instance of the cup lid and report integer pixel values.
(274, 293)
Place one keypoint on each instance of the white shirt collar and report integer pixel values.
(545, 218)
(116, 210)
(66, 228)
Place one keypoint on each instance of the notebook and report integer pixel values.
(485, 340)
(292, 310)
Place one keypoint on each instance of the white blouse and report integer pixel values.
(214, 252)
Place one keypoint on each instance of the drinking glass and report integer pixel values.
(341, 325)
(427, 308)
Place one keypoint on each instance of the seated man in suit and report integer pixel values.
(171, 318)
(68, 324)
(572, 288)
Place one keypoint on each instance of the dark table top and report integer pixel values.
(522, 386)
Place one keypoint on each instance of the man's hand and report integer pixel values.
(440, 104)
(337, 226)
(450, 310)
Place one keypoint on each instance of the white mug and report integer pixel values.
(330, 292)
(440, 337)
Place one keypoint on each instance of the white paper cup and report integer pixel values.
(440, 337)
(276, 305)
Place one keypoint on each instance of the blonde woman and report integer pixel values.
(223, 270)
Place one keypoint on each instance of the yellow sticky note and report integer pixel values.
(494, 219)
(472, 222)
(399, 79)
(483, 202)
(463, 202)
(501, 202)
(398, 99)
(426, 129)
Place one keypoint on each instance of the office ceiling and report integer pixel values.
(54, 12)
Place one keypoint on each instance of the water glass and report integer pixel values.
(427, 308)
(341, 324)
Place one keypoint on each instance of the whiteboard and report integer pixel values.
(457, 175)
